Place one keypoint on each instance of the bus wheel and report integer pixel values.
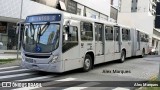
(87, 63)
(123, 56)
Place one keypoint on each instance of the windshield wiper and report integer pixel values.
(42, 30)
(32, 31)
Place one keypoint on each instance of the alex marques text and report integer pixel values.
(116, 71)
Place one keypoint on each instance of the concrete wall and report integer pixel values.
(51, 3)
(143, 5)
(103, 6)
(141, 21)
(126, 6)
(116, 3)
(30, 8)
(10, 8)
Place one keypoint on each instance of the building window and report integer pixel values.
(72, 6)
(8, 37)
(132, 9)
(3, 27)
(135, 8)
(78, 11)
(111, 2)
(144, 37)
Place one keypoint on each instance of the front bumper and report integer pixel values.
(56, 67)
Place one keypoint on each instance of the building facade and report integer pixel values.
(138, 6)
(141, 14)
(13, 11)
(102, 9)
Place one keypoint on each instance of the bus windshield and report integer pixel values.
(41, 38)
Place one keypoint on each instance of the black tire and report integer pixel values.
(143, 53)
(87, 63)
(123, 56)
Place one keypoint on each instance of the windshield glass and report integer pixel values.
(41, 38)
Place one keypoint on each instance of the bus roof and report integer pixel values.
(67, 15)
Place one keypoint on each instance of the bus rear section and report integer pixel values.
(140, 45)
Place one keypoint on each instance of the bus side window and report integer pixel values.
(86, 31)
(146, 38)
(124, 34)
(70, 37)
(128, 35)
(142, 37)
(98, 32)
(116, 33)
(109, 33)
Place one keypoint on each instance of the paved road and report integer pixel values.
(137, 69)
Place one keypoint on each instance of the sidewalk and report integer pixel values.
(9, 56)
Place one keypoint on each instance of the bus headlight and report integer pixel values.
(54, 59)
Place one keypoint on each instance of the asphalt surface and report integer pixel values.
(100, 78)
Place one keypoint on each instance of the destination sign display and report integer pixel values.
(44, 18)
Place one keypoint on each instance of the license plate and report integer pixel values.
(29, 60)
(35, 67)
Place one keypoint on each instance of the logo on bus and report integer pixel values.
(38, 49)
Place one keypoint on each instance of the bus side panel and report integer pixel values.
(109, 51)
(71, 59)
(134, 41)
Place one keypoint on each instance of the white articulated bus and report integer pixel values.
(60, 42)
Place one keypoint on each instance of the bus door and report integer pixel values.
(117, 42)
(99, 42)
(126, 41)
(109, 43)
(138, 41)
(71, 45)
(86, 38)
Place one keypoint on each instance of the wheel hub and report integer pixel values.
(87, 63)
